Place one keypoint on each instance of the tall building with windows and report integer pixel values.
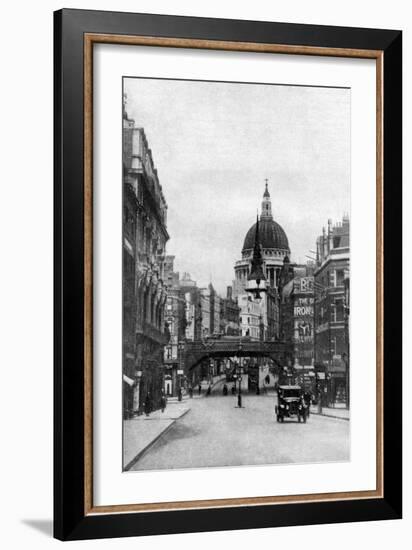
(144, 290)
(297, 319)
(261, 320)
(207, 314)
(193, 308)
(214, 304)
(175, 317)
(331, 283)
(229, 315)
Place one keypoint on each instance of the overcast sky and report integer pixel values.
(214, 144)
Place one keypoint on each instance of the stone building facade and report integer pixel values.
(331, 283)
(144, 290)
(175, 317)
(193, 308)
(297, 321)
(229, 315)
(251, 317)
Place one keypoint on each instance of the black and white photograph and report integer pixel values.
(236, 274)
(205, 296)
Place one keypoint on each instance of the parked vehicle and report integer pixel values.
(291, 403)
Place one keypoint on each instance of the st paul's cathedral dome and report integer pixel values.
(274, 247)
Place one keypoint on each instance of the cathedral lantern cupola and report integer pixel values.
(266, 203)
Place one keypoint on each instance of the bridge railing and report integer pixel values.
(197, 351)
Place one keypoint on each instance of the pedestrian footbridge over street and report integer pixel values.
(201, 350)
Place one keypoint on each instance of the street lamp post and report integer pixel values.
(180, 369)
(320, 388)
(256, 275)
(238, 375)
(136, 397)
(238, 378)
(239, 395)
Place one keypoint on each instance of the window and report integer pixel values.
(333, 313)
(333, 346)
(336, 242)
(340, 275)
(322, 314)
(339, 310)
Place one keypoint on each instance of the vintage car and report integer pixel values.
(291, 403)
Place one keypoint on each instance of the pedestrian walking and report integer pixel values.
(224, 389)
(209, 390)
(179, 394)
(307, 397)
(233, 389)
(200, 389)
(163, 401)
(190, 392)
(148, 404)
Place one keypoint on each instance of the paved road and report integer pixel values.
(216, 433)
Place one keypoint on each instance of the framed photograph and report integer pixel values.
(227, 274)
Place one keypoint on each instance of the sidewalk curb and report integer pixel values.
(330, 416)
(151, 443)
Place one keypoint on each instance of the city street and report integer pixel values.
(234, 300)
(217, 433)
